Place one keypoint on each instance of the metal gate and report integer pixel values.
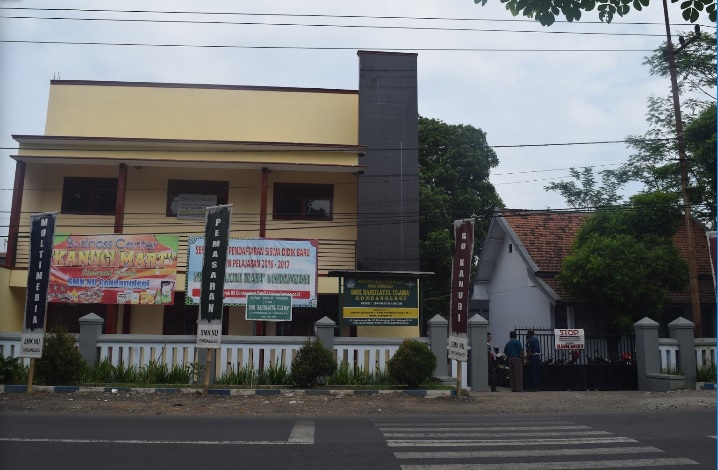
(606, 363)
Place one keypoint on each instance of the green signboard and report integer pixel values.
(380, 302)
(269, 307)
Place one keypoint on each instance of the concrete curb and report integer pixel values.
(223, 391)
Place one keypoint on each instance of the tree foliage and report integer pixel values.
(546, 11)
(584, 192)
(455, 164)
(655, 161)
(625, 260)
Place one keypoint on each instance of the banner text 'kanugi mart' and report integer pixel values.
(114, 269)
(260, 266)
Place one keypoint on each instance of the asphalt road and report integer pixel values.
(662, 439)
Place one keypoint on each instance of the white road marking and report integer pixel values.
(302, 434)
(573, 465)
(484, 429)
(459, 424)
(495, 434)
(526, 453)
(512, 442)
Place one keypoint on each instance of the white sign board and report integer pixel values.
(570, 339)
(193, 206)
(458, 348)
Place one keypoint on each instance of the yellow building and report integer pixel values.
(337, 166)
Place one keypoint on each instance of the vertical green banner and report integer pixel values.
(214, 265)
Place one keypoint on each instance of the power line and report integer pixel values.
(322, 150)
(318, 25)
(316, 15)
(312, 48)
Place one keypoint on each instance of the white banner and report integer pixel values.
(570, 339)
(260, 266)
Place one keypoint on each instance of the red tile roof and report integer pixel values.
(548, 237)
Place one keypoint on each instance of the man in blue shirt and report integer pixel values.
(533, 350)
(515, 353)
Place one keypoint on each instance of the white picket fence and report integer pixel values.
(235, 353)
(668, 353)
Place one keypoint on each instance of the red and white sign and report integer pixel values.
(570, 339)
(460, 283)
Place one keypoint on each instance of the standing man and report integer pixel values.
(533, 350)
(515, 354)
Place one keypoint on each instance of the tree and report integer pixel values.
(588, 195)
(546, 11)
(655, 161)
(700, 135)
(454, 182)
(625, 260)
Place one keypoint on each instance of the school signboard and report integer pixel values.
(380, 302)
(263, 307)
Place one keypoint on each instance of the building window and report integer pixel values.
(303, 201)
(188, 199)
(89, 195)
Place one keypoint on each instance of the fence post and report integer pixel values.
(647, 353)
(439, 340)
(479, 357)
(90, 329)
(324, 329)
(682, 330)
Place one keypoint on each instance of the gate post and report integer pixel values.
(324, 329)
(682, 330)
(439, 343)
(479, 357)
(647, 353)
(90, 329)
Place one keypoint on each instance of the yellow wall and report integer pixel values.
(388, 331)
(12, 303)
(146, 320)
(189, 114)
(201, 113)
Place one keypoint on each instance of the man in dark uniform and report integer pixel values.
(515, 353)
(533, 350)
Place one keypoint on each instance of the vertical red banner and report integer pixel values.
(460, 288)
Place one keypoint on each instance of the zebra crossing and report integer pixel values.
(516, 444)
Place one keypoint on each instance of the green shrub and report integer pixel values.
(61, 362)
(706, 373)
(412, 364)
(312, 362)
(11, 370)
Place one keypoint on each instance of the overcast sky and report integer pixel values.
(514, 89)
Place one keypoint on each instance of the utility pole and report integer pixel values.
(683, 162)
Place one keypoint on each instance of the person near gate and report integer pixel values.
(515, 353)
(492, 363)
(533, 351)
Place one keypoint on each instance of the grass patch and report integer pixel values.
(706, 373)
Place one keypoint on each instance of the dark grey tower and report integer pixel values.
(388, 232)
